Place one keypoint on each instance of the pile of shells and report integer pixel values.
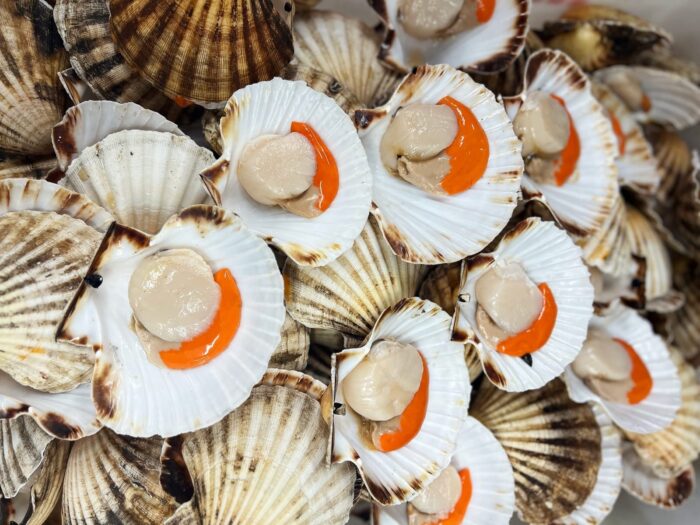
(264, 263)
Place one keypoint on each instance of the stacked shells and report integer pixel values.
(431, 266)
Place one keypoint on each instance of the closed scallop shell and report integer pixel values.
(135, 397)
(270, 108)
(674, 160)
(682, 214)
(141, 177)
(685, 322)
(20, 167)
(349, 294)
(399, 475)
(553, 444)
(49, 235)
(609, 248)
(437, 229)
(487, 48)
(23, 445)
(221, 46)
(658, 409)
(265, 462)
(293, 351)
(31, 55)
(346, 49)
(548, 255)
(115, 479)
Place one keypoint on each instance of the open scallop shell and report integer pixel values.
(640, 481)
(141, 177)
(23, 445)
(675, 101)
(431, 229)
(585, 200)
(669, 451)
(493, 490)
(346, 49)
(25, 167)
(247, 469)
(87, 123)
(132, 395)
(397, 476)
(349, 294)
(553, 444)
(31, 97)
(659, 408)
(547, 255)
(99, 464)
(488, 47)
(47, 240)
(293, 351)
(271, 107)
(219, 49)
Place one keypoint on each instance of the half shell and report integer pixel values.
(264, 463)
(132, 395)
(293, 351)
(23, 445)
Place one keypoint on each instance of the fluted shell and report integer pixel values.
(132, 395)
(489, 47)
(48, 236)
(584, 201)
(675, 101)
(115, 479)
(548, 255)
(221, 45)
(609, 249)
(398, 476)
(319, 363)
(141, 177)
(14, 167)
(674, 159)
(640, 481)
(265, 462)
(435, 229)
(87, 123)
(663, 57)
(31, 96)
(350, 293)
(23, 445)
(346, 49)
(669, 451)
(553, 444)
(292, 353)
(658, 409)
(685, 322)
(492, 498)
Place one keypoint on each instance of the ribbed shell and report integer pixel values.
(685, 322)
(319, 363)
(553, 444)
(609, 247)
(25, 167)
(115, 479)
(682, 216)
(293, 351)
(264, 463)
(202, 50)
(350, 293)
(31, 96)
(23, 447)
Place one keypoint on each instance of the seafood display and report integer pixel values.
(267, 262)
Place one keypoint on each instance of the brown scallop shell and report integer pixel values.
(13, 167)
(293, 351)
(23, 445)
(674, 160)
(685, 322)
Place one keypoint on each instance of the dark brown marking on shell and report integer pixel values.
(14, 411)
(638, 284)
(459, 335)
(494, 375)
(56, 175)
(576, 78)
(383, 495)
(680, 488)
(63, 137)
(201, 213)
(103, 386)
(574, 229)
(397, 243)
(363, 118)
(56, 425)
(43, 27)
(302, 256)
(520, 228)
(175, 477)
(478, 261)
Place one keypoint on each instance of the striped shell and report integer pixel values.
(23, 446)
(293, 351)
(14, 167)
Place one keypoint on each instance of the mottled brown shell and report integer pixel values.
(23, 448)
(293, 351)
(13, 167)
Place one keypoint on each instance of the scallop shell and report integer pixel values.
(132, 395)
(247, 470)
(350, 293)
(554, 447)
(659, 408)
(441, 229)
(685, 322)
(141, 177)
(271, 107)
(640, 481)
(23, 445)
(549, 256)
(115, 479)
(587, 198)
(77, 90)
(254, 36)
(319, 364)
(49, 235)
(669, 451)
(609, 248)
(398, 476)
(293, 351)
(347, 50)
(31, 55)
(488, 48)
(662, 57)
(87, 123)
(675, 101)
(674, 160)
(25, 167)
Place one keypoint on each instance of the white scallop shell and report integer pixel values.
(431, 229)
(270, 108)
(132, 395)
(547, 255)
(398, 476)
(23, 448)
(608, 249)
(658, 409)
